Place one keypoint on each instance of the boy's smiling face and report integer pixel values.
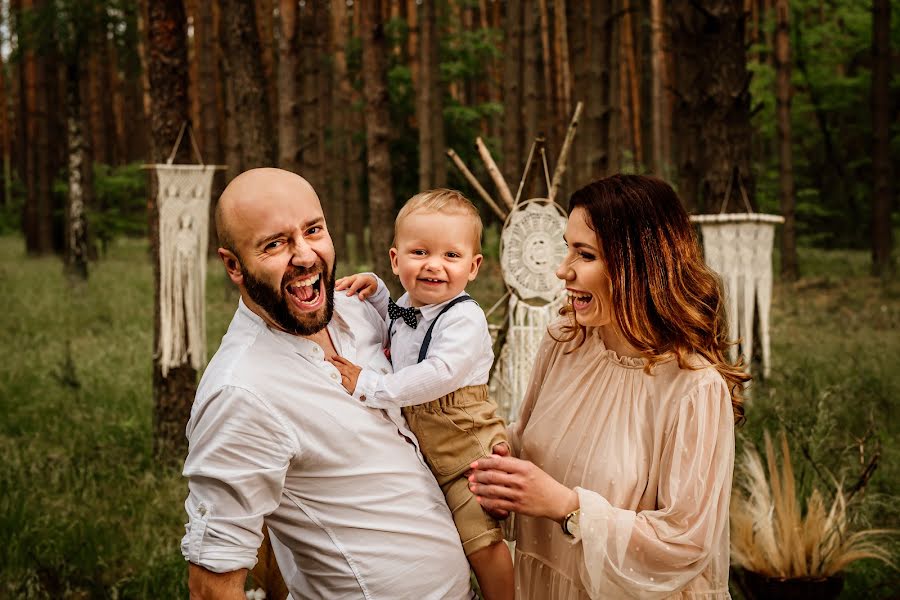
(435, 255)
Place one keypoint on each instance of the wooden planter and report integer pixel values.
(760, 587)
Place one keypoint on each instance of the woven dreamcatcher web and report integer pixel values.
(531, 247)
(738, 246)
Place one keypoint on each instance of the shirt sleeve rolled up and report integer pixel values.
(236, 465)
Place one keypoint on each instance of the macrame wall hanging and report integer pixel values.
(738, 246)
(531, 248)
(183, 196)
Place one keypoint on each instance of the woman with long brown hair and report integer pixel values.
(625, 442)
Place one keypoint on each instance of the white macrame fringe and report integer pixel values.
(527, 326)
(739, 249)
(183, 200)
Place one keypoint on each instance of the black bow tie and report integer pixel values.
(407, 314)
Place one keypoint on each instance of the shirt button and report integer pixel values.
(335, 376)
(362, 398)
(384, 371)
(202, 510)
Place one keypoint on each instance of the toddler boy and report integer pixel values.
(441, 351)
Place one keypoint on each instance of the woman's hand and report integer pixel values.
(361, 284)
(502, 483)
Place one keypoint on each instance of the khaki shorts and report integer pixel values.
(454, 431)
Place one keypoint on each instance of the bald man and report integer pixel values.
(275, 441)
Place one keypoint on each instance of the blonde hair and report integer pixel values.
(444, 201)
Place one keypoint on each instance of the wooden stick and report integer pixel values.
(525, 174)
(495, 174)
(564, 152)
(474, 182)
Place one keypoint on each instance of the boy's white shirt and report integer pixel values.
(460, 354)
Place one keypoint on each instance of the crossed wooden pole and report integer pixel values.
(502, 209)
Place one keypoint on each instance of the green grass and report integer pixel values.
(85, 511)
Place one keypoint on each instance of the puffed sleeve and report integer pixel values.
(655, 553)
(236, 466)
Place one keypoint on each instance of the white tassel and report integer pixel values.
(183, 200)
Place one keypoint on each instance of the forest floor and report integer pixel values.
(86, 512)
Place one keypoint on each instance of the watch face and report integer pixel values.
(571, 525)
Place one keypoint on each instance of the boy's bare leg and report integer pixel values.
(494, 570)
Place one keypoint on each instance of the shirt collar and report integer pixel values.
(429, 311)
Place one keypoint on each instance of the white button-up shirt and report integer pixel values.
(352, 509)
(460, 354)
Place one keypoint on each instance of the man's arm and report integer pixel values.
(205, 584)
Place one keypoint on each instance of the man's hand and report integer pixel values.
(361, 284)
(349, 372)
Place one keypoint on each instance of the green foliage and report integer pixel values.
(834, 387)
(830, 120)
(120, 202)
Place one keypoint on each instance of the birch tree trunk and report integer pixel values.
(783, 93)
(377, 119)
(882, 192)
(80, 179)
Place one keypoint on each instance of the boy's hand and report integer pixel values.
(361, 284)
(349, 372)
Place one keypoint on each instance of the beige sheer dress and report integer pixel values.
(651, 459)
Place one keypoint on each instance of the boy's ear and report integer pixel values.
(395, 263)
(476, 263)
(232, 266)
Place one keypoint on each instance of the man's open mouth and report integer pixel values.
(307, 293)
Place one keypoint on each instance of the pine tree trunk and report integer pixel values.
(658, 67)
(882, 192)
(288, 94)
(783, 93)
(80, 176)
(377, 119)
(268, 49)
(313, 33)
(616, 139)
(244, 74)
(513, 139)
(712, 110)
(344, 186)
(531, 101)
(598, 102)
(168, 78)
(429, 103)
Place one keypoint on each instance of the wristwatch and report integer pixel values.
(570, 523)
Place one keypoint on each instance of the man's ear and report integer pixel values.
(232, 266)
(476, 264)
(395, 263)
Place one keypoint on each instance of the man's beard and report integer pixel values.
(274, 302)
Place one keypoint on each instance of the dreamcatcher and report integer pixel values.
(531, 247)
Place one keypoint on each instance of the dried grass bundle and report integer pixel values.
(771, 536)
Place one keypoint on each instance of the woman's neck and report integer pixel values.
(615, 341)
